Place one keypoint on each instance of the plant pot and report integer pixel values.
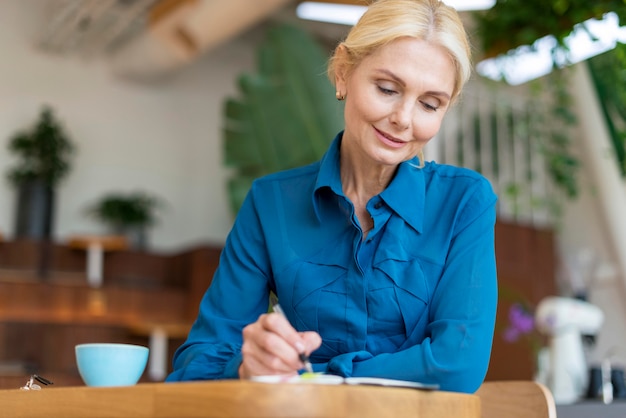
(35, 210)
(137, 236)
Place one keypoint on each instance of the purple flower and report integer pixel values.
(520, 322)
(521, 319)
(510, 335)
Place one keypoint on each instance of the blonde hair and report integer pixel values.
(387, 20)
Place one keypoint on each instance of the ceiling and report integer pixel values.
(91, 27)
(148, 38)
(144, 39)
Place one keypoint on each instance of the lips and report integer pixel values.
(389, 140)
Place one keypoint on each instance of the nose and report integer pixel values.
(401, 115)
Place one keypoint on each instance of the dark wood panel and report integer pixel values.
(526, 264)
(128, 268)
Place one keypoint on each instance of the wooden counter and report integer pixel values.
(235, 398)
(144, 297)
(41, 322)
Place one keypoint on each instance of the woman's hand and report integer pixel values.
(272, 346)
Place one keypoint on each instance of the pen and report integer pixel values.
(303, 357)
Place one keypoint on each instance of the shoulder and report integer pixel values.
(298, 174)
(466, 190)
(456, 180)
(453, 172)
(293, 185)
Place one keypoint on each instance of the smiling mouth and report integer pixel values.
(390, 139)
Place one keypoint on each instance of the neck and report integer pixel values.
(362, 178)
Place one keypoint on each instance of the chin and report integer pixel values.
(384, 158)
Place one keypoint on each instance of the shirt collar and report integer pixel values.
(329, 174)
(405, 195)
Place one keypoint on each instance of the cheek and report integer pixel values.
(426, 128)
(362, 110)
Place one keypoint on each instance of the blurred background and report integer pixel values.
(144, 99)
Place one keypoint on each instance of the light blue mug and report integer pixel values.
(111, 364)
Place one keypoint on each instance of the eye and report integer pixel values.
(386, 91)
(430, 107)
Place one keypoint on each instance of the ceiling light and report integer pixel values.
(342, 14)
(467, 5)
(345, 14)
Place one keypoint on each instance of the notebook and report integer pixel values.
(329, 379)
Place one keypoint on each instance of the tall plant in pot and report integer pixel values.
(44, 154)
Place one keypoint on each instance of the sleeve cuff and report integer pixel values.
(231, 371)
(343, 364)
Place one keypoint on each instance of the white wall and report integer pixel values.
(593, 225)
(162, 138)
(584, 230)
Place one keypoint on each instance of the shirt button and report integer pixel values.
(378, 205)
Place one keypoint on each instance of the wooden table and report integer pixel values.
(235, 398)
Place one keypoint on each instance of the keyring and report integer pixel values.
(31, 385)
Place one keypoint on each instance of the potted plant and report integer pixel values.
(44, 152)
(127, 214)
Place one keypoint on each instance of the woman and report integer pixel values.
(384, 265)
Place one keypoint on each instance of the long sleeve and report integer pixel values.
(237, 296)
(456, 349)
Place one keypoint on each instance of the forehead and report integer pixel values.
(413, 60)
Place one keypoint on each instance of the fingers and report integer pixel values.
(312, 341)
(272, 346)
(257, 363)
(279, 325)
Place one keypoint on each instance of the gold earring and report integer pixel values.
(339, 96)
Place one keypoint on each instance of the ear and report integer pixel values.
(341, 55)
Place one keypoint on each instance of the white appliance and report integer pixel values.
(565, 320)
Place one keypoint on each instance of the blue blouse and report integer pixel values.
(414, 301)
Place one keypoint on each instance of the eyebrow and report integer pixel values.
(401, 81)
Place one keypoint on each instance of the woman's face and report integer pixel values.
(396, 99)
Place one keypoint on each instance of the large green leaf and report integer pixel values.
(286, 114)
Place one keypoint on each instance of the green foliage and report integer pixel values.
(44, 152)
(555, 142)
(510, 24)
(122, 211)
(286, 114)
(608, 71)
(513, 23)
